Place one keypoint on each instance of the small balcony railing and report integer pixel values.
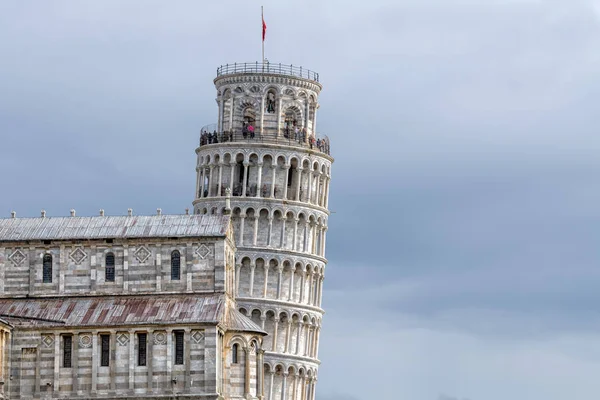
(268, 68)
(288, 137)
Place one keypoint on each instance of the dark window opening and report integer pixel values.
(178, 348)
(175, 266)
(104, 350)
(142, 348)
(108, 240)
(241, 171)
(234, 354)
(47, 269)
(67, 351)
(47, 241)
(291, 173)
(109, 273)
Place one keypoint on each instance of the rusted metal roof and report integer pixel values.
(115, 310)
(101, 227)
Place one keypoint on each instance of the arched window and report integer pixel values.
(175, 266)
(109, 273)
(47, 268)
(234, 354)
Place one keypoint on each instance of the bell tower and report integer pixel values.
(265, 162)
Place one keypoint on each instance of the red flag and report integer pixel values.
(264, 32)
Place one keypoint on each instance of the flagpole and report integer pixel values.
(262, 21)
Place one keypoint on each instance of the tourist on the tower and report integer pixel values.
(251, 131)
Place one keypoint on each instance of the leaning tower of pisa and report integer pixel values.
(265, 162)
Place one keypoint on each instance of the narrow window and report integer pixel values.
(178, 347)
(290, 177)
(175, 266)
(234, 354)
(47, 268)
(104, 350)
(109, 273)
(142, 348)
(241, 171)
(67, 351)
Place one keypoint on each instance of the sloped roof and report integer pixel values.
(236, 321)
(102, 227)
(114, 310)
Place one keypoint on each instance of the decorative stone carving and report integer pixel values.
(142, 254)
(160, 338)
(17, 257)
(78, 255)
(48, 340)
(85, 340)
(123, 339)
(197, 336)
(203, 251)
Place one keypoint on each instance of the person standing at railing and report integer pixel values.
(251, 131)
(296, 133)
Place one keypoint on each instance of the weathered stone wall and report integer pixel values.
(140, 267)
(38, 369)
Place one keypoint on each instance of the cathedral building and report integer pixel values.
(224, 303)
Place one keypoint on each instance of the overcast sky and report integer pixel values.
(464, 259)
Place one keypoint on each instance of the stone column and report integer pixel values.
(272, 373)
(57, 356)
(298, 183)
(283, 386)
(260, 373)
(302, 284)
(299, 328)
(247, 373)
(276, 323)
(291, 291)
(221, 114)
(310, 176)
(210, 180)
(220, 179)
(170, 358)
(327, 192)
(95, 361)
(187, 357)
(313, 388)
(231, 113)
(310, 288)
(282, 241)
(242, 218)
(245, 180)
(306, 225)
(266, 280)
(263, 319)
(203, 182)
(288, 336)
(270, 231)
(262, 116)
(252, 267)
(317, 336)
(232, 166)
(274, 169)
(279, 281)
(259, 180)
(113, 360)
(294, 244)
(255, 236)
(323, 236)
(237, 279)
(285, 181)
(278, 128)
(306, 339)
(198, 175)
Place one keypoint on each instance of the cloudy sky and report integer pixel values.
(463, 250)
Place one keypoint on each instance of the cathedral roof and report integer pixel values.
(125, 310)
(114, 310)
(233, 320)
(103, 227)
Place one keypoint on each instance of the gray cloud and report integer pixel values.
(463, 244)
